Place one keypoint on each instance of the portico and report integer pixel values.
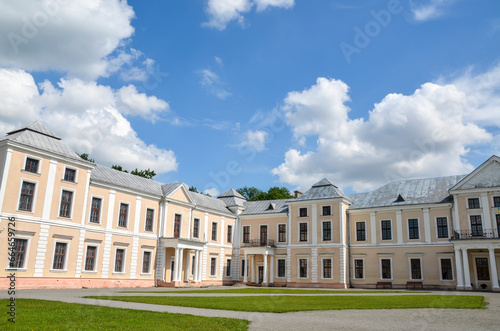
(261, 265)
(184, 259)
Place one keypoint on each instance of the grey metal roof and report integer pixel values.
(119, 178)
(413, 192)
(324, 189)
(38, 136)
(232, 198)
(168, 189)
(231, 193)
(207, 202)
(266, 207)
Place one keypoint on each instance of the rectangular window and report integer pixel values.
(282, 233)
(146, 263)
(31, 165)
(476, 226)
(359, 272)
(229, 233)
(281, 268)
(482, 269)
(446, 272)
(386, 230)
(303, 231)
(18, 253)
(327, 210)
(228, 268)
(150, 214)
(95, 211)
(442, 227)
(327, 268)
(177, 225)
(119, 260)
(90, 258)
(413, 229)
(26, 198)
(496, 201)
(242, 268)
(327, 231)
(498, 225)
(214, 231)
(213, 264)
(123, 217)
(263, 235)
(246, 234)
(474, 203)
(416, 268)
(360, 231)
(302, 212)
(70, 175)
(66, 199)
(385, 265)
(302, 268)
(196, 228)
(59, 256)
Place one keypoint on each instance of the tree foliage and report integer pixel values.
(250, 193)
(193, 189)
(148, 173)
(255, 194)
(86, 157)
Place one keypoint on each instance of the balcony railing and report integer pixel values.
(259, 243)
(475, 234)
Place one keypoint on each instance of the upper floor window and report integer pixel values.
(303, 212)
(229, 234)
(327, 231)
(196, 228)
(386, 230)
(150, 213)
(263, 235)
(327, 210)
(70, 175)
(214, 231)
(476, 225)
(95, 210)
(442, 227)
(413, 229)
(474, 203)
(496, 201)
(123, 217)
(27, 196)
(177, 225)
(66, 199)
(282, 233)
(246, 234)
(31, 165)
(360, 231)
(302, 231)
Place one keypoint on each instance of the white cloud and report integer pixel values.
(256, 140)
(221, 12)
(213, 192)
(430, 10)
(77, 37)
(86, 115)
(213, 84)
(424, 134)
(131, 102)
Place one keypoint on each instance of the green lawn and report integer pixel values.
(276, 291)
(54, 315)
(284, 303)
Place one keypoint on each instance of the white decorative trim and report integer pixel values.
(427, 226)
(204, 262)
(314, 265)
(314, 225)
(399, 227)
(86, 199)
(111, 210)
(137, 219)
(4, 174)
(49, 191)
(373, 228)
(79, 256)
(133, 259)
(106, 256)
(41, 250)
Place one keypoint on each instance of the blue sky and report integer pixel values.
(222, 94)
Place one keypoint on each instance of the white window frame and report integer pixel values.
(392, 228)
(298, 232)
(33, 205)
(323, 267)
(441, 271)
(38, 171)
(277, 268)
(409, 268)
(298, 212)
(231, 239)
(199, 228)
(447, 227)
(243, 233)
(474, 197)
(278, 232)
(408, 228)
(128, 215)
(354, 268)
(298, 267)
(66, 253)
(95, 260)
(145, 218)
(366, 232)
(26, 255)
(64, 173)
(100, 209)
(212, 231)
(150, 267)
(211, 259)
(331, 230)
(72, 203)
(228, 263)
(124, 261)
(331, 210)
(380, 266)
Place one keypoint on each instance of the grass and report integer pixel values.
(275, 291)
(282, 304)
(54, 315)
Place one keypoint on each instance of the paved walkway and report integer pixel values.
(391, 319)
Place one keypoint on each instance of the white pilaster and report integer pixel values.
(222, 259)
(186, 265)
(137, 218)
(456, 219)
(427, 225)
(373, 228)
(493, 268)
(314, 225)
(49, 191)
(254, 265)
(205, 257)
(205, 232)
(86, 198)
(190, 229)
(271, 274)
(245, 270)
(135, 257)
(41, 250)
(79, 255)
(111, 209)
(314, 265)
(4, 174)
(288, 264)
(488, 221)
(106, 255)
(399, 227)
(342, 226)
(160, 261)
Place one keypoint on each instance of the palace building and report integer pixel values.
(69, 223)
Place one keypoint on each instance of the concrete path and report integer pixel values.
(391, 319)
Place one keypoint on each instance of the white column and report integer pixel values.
(253, 268)
(176, 266)
(460, 270)
(271, 274)
(265, 269)
(493, 268)
(245, 270)
(181, 260)
(196, 268)
(465, 258)
(187, 265)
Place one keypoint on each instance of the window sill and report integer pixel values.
(118, 273)
(31, 173)
(93, 223)
(16, 269)
(58, 270)
(148, 274)
(358, 279)
(213, 276)
(64, 217)
(68, 182)
(89, 272)
(25, 211)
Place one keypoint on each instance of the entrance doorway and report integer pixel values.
(261, 274)
(172, 264)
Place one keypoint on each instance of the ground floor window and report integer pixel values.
(446, 271)
(228, 268)
(90, 257)
(213, 264)
(18, 253)
(119, 257)
(59, 256)
(327, 269)
(359, 272)
(146, 263)
(483, 272)
(385, 266)
(281, 268)
(242, 268)
(302, 268)
(416, 269)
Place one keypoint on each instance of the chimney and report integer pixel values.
(297, 194)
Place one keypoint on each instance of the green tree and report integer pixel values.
(249, 193)
(118, 167)
(86, 157)
(275, 193)
(193, 189)
(148, 173)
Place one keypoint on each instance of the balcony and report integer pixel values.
(259, 243)
(475, 234)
